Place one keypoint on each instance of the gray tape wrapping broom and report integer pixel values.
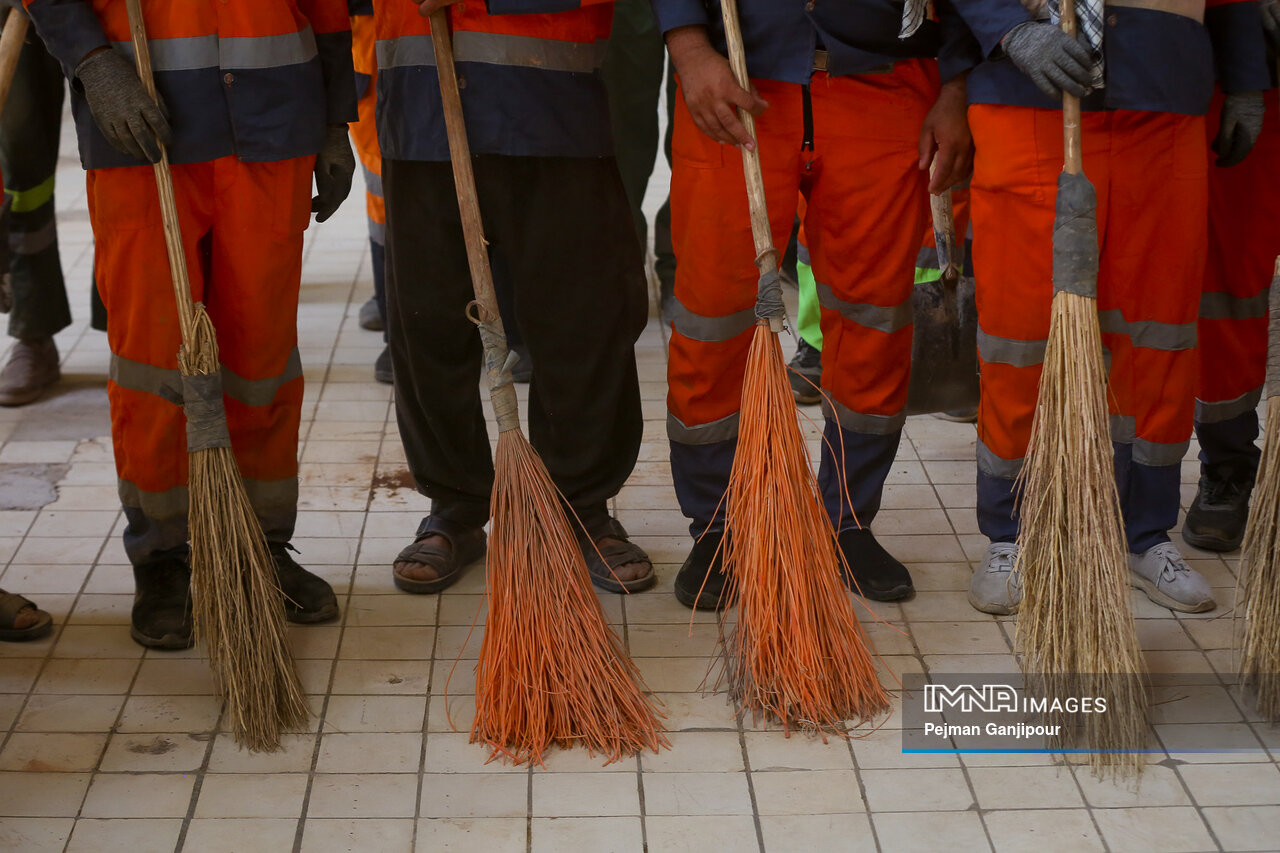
(1075, 628)
(1258, 587)
(238, 608)
(551, 671)
(797, 652)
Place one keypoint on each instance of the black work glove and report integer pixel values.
(132, 122)
(1239, 128)
(335, 164)
(1053, 60)
(1271, 23)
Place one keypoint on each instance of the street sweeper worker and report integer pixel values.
(1244, 207)
(537, 118)
(254, 99)
(849, 116)
(1145, 152)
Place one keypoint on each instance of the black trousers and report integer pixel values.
(577, 284)
(29, 129)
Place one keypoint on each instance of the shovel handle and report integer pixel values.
(11, 40)
(761, 233)
(1074, 162)
(501, 392)
(164, 183)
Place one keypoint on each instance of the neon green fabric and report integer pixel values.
(808, 315)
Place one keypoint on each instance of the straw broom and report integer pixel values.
(550, 669)
(1258, 589)
(237, 603)
(797, 654)
(1075, 628)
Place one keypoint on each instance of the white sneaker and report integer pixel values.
(1167, 580)
(996, 588)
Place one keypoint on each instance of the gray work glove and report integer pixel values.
(1271, 23)
(1239, 128)
(335, 164)
(132, 122)
(1053, 60)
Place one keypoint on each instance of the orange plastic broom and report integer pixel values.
(550, 668)
(797, 653)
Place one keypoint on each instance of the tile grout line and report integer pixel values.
(299, 833)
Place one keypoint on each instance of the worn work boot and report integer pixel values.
(806, 373)
(701, 580)
(1167, 580)
(307, 599)
(1217, 516)
(873, 572)
(371, 317)
(32, 368)
(161, 617)
(995, 587)
(382, 371)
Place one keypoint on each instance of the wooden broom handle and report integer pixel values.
(463, 176)
(501, 392)
(766, 253)
(1074, 161)
(164, 182)
(15, 33)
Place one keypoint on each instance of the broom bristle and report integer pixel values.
(1075, 629)
(798, 654)
(238, 608)
(1258, 590)
(551, 671)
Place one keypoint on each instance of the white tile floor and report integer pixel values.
(107, 747)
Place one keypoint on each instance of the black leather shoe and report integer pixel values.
(1217, 517)
(700, 582)
(307, 599)
(382, 371)
(872, 572)
(161, 617)
(806, 374)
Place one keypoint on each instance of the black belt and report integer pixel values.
(820, 64)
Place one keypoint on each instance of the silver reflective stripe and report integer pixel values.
(997, 466)
(264, 496)
(996, 350)
(1224, 306)
(160, 506)
(272, 495)
(1124, 428)
(178, 54)
(1149, 334)
(146, 378)
(210, 51)
(260, 392)
(697, 327)
(34, 242)
(495, 49)
(860, 422)
(378, 232)
(721, 430)
(1157, 455)
(887, 319)
(1225, 410)
(167, 384)
(268, 51)
(373, 182)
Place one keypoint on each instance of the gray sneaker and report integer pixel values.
(996, 587)
(1167, 580)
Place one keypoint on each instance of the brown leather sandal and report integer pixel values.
(602, 559)
(466, 546)
(11, 604)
